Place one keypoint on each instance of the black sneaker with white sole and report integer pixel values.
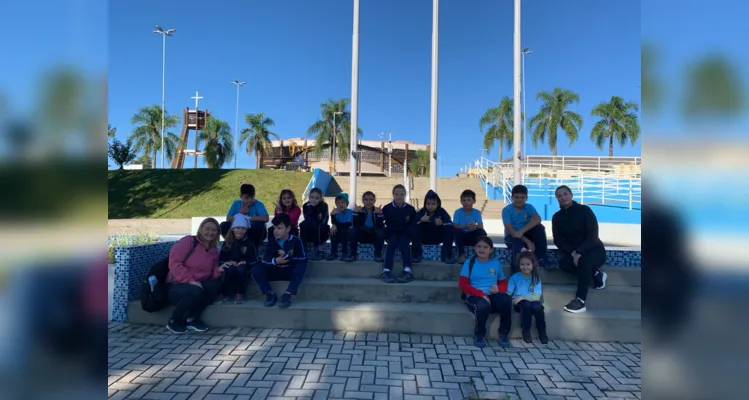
(599, 280)
(196, 325)
(176, 327)
(575, 306)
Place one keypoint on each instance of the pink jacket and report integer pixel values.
(294, 215)
(201, 265)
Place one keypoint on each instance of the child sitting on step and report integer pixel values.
(342, 219)
(400, 217)
(525, 288)
(467, 223)
(315, 229)
(483, 283)
(238, 255)
(434, 227)
(251, 207)
(287, 205)
(369, 227)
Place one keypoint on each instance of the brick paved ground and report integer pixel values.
(145, 362)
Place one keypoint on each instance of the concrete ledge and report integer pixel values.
(435, 319)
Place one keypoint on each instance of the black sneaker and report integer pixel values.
(575, 306)
(285, 300)
(543, 338)
(479, 341)
(527, 337)
(175, 327)
(196, 325)
(378, 259)
(416, 260)
(599, 280)
(270, 300)
(331, 257)
(387, 277)
(350, 259)
(405, 277)
(449, 260)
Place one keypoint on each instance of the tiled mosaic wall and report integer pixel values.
(130, 267)
(132, 264)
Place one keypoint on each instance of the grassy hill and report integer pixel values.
(186, 193)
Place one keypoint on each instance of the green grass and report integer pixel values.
(187, 193)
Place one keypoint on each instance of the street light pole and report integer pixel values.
(526, 51)
(335, 136)
(164, 34)
(433, 123)
(236, 122)
(390, 151)
(517, 134)
(354, 105)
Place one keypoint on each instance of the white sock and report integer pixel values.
(407, 269)
(386, 269)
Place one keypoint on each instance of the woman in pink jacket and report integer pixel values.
(195, 277)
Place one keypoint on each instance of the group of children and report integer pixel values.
(481, 279)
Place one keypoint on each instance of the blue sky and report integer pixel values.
(295, 55)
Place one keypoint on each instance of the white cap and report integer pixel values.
(241, 220)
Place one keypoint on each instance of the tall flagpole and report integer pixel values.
(435, 68)
(354, 156)
(517, 120)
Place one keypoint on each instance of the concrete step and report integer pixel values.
(433, 319)
(437, 292)
(437, 271)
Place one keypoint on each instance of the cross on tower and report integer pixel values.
(197, 99)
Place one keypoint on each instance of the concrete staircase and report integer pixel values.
(449, 190)
(337, 296)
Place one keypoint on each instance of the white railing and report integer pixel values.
(603, 180)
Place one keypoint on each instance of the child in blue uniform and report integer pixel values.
(342, 219)
(523, 227)
(237, 256)
(525, 288)
(369, 227)
(483, 282)
(284, 260)
(400, 217)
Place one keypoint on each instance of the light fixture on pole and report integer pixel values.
(525, 52)
(354, 105)
(517, 128)
(236, 121)
(433, 122)
(164, 34)
(390, 151)
(334, 140)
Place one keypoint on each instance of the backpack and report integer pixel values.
(470, 270)
(155, 300)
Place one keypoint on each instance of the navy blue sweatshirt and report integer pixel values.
(241, 250)
(292, 247)
(439, 212)
(377, 219)
(318, 214)
(398, 218)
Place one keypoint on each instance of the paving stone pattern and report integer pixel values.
(147, 362)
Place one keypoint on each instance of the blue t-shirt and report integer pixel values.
(346, 216)
(518, 219)
(460, 217)
(369, 219)
(484, 274)
(257, 209)
(520, 286)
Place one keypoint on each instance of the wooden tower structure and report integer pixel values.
(192, 120)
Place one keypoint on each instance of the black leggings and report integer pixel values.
(586, 268)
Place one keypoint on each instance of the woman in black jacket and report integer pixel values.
(581, 252)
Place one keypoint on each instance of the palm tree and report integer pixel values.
(618, 121)
(500, 121)
(147, 135)
(257, 135)
(419, 166)
(219, 146)
(111, 131)
(713, 89)
(333, 118)
(554, 115)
